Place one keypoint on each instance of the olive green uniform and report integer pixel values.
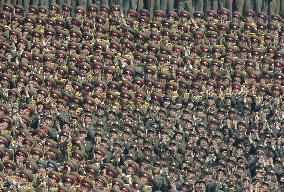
(153, 5)
(187, 5)
(167, 5)
(244, 5)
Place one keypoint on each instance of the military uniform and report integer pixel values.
(243, 6)
(167, 5)
(188, 5)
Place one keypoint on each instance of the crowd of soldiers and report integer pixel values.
(242, 6)
(104, 102)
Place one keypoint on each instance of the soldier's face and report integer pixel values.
(52, 180)
(3, 125)
(224, 16)
(130, 170)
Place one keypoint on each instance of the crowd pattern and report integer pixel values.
(104, 102)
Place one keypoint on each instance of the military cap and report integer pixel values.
(33, 9)
(167, 24)
(50, 22)
(262, 87)
(7, 7)
(7, 119)
(5, 77)
(268, 36)
(85, 182)
(55, 175)
(261, 15)
(100, 151)
(128, 44)
(19, 9)
(177, 48)
(66, 7)
(151, 59)
(154, 36)
(27, 174)
(92, 169)
(29, 19)
(271, 49)
(5, 16)
(59, 22)
(4, 140)
(23, 79)
(156, 96)
(23, 40)
(224, 11)
(68, 178)
(250, 63)
(113, 21)
(61, 33)
(132, 13)
(63, 189)
(180, 71)
(275, 17)
(4, 108)
(253, 74)
(26, 54)
(266, 74)
(104, 8)
(36, 151)
(10, 164)
(126, 188)
(272, 26)
(80, 9)
(100, 21)
(11, 65)
(198, 34)
(75, 33)
(2, 69)
(116, 45)
(172, 14)
(261, 26)
(126, 94)
(244, 48)
(171, 85)
(278, 75)
(184, 29)
(102, 179)
(54, 6)
(144, 13)
(146, 175)
(129, 36)
(14, 32)
(184, 13)
(190, 76)
(77, 153)
(255, 38)
(277, 87)
(236, 86)
(250, 13)
(140, 94)
(198, 14)
(159, 13)
(77, 22)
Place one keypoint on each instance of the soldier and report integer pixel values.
(167, 6)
